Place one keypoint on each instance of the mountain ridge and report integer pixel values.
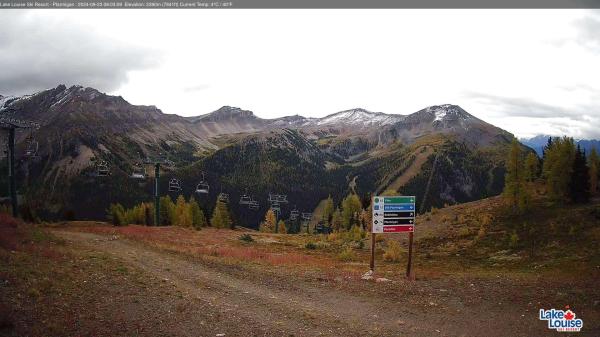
(539, 142)
(290, 154)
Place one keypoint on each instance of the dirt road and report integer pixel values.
(227, 301)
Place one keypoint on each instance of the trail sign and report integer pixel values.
(392, 214)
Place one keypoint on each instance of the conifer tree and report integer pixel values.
(116, 214)
(281, 227)
(166, 211)
(336, 220)
(531, 167)
(148, 214)
(548, 146)
(368, 218)
(268, 225)
(514, 187)
(198, 218)
(580, 180)
(558, 167)
(351, 207)
(594, 164)
(221, 217)
(183, 215)
(328, 210)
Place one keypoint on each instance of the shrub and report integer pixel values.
(481, 233)
(310, 245)
(514, 240)
(246, 238)
(464, 231)
(347, 254)
(485, 219)
(281, 228)
(116, 214)
(356, 234)
(333, 236)
(393, 252)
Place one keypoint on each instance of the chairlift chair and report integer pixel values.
(282, 198)
(275, 206)
(139, 172)
(306, 216)
(174, 185)
(102, 169)
(32, 147)
(245, 199)
(202, 187)
(253, 205)
(294, 214)
(223, 197)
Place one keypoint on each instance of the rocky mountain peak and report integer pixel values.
(359, 117)
(227, 113)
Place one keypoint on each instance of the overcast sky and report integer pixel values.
(527, 71)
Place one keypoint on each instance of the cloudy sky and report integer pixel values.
(528, 71)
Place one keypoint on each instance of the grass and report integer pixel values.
(470, 236)
(347, 255)
(246, 238)
(394, 251)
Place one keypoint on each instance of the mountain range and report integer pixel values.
(538, 142)
(240, 153)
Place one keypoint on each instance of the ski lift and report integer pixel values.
(223, 197)
(294, 214)
(245, 199)
(253, 205)
(139, 172)
(174, 185)
(202, 187)
(32, 147)
(276, 207)
(102, 169)
(281, 198)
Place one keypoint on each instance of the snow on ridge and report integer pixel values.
(439, 115)
(448, 111)
(3, 100)
(359, 117)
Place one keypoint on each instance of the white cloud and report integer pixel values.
(315, 62)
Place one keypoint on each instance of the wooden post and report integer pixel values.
(410, 247)
(372, 264)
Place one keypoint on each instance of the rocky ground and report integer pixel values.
(75, 280)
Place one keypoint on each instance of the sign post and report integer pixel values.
(393, 214)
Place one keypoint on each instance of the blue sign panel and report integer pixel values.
(399, 207)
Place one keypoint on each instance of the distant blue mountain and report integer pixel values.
(538, 142)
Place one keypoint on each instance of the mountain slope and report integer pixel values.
(306, 158)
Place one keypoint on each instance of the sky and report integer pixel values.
(528, 71)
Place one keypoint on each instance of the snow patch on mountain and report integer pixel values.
(448, 112)
(359, 117)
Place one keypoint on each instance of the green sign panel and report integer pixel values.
(399, 200)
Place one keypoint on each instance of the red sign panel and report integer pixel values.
(398, 229)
